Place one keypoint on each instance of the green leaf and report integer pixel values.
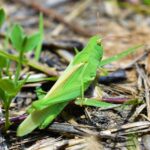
(2, 95)
(8, 85)
(3, 62)
(31, 42)
(8, 90)
(147, 2)
(41, 31)
(93, 102)
(16, 37)
(2, 16)
(119, 56)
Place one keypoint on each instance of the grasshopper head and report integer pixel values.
(95, 46)
(99, 41)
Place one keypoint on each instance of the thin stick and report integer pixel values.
(146, 86)
(79, 8)
(137, 60)
(147, 97)
(55, 16)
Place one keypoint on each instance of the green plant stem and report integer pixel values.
(31, 63)
(0, 73)
(6, 42)
(41, 30)
(7, 122)
(19, 67)
(7, 69)
(10, 56)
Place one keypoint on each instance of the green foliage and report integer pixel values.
(41, 30)
(119, 56)
(2, 16)
(3, 62)
(17, 37)
(22, 42)
(9, 87)
(30, 42)
(147, 2)
(8, 90)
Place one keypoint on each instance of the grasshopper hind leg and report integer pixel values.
(55, 110)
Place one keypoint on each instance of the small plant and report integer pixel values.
(22, 43)
(8, 90)
(3, 64)
(2, 16)
(10, 86)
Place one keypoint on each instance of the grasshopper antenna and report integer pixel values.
(99, 29)
(98, 23)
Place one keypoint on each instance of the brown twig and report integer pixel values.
(146, 87)
(76, 12)
(55, 16)
(132, 63)
(42, 67)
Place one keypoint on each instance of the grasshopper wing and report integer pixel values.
(66, 88)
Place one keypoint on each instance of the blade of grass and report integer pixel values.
(119, 56)
(41, 30)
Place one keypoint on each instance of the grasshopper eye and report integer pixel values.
(99, 41)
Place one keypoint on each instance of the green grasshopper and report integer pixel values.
(75, 80)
